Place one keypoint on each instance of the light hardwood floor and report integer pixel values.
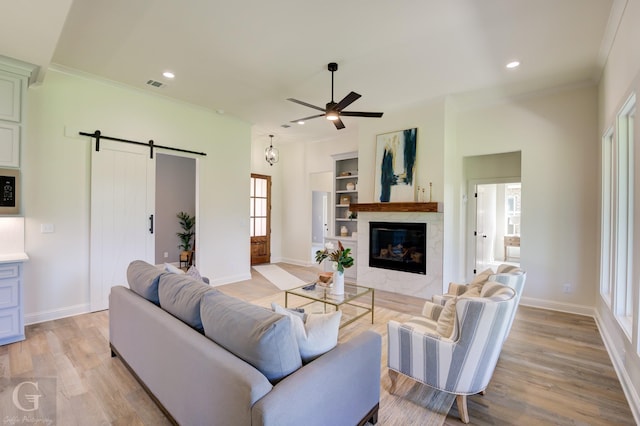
(553, 369)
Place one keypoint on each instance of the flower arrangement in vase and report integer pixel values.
(341, 259)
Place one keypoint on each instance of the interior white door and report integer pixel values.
(485, 225)
(122, 208)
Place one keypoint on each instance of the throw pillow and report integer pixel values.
(473, 291)
(173, 269)
(508, 269)
(316, 336)
(447, 319)
(194, 273)
(497, 291)
(480, 279)
(254, 334)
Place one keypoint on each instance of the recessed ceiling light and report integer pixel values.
(300, 122)
(513, 64)
(168, 74)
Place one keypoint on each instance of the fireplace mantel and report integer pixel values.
(396, 207)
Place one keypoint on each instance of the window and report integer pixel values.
(258, 209)
(618, 174)
(512, 194)
(607, 225)
(623, 300)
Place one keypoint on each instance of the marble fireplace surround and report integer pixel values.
(397, 281)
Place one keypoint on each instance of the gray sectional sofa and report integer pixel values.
(210, 359)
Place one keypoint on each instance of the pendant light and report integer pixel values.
(271, 153)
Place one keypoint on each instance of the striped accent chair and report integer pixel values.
(460, 358)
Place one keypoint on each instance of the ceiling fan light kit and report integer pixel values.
(334, 110)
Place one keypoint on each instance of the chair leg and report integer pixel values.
(462, 408)
(393, 375)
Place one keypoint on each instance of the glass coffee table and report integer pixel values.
(356, 302)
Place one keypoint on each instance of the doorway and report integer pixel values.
(260, 219)
(321, 185)
(175, 192)
(495, 223)
(319, 220)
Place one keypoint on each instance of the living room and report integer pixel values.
(557, 131)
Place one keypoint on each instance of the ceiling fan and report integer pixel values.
(334, 110)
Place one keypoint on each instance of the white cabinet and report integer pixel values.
(10, 97)
(11, 306)
(9, 144)
(14, 80)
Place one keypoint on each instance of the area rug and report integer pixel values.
(412, 403)
(278, 276)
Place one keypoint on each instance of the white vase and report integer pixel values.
(338, 283)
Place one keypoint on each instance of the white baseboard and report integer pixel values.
(297, 262)
(619, 366)
(558, 306)
(229, 279)
(55, 314)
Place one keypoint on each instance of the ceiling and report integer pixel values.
(245, 58)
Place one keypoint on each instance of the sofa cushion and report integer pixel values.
(315, 335)
(255, 334)
(180, 295)
(143, 279)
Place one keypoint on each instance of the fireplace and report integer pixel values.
(398, 245)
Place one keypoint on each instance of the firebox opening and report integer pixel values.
(398, 246)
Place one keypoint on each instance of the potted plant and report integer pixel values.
(187, 224)
(341, 259)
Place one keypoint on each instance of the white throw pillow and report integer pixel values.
(319, 334)
(173, 269)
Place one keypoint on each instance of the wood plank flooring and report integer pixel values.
(553, 369)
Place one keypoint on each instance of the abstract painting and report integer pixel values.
(395, 165)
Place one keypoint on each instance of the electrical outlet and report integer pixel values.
(166, 254)
(566, 288)
(47, 228)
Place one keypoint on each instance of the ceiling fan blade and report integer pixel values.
(305, 104)
(308, 118)
(347, 100)
(338, 123)
(361, 114)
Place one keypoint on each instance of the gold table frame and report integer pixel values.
(352, 292)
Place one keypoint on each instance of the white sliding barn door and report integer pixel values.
(122, 202)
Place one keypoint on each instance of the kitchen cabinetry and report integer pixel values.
(11, 303)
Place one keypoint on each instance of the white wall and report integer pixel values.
(299, 163)
(557, 136)
(621, 76)
(430, 165)
(56, 182)
(260, 166)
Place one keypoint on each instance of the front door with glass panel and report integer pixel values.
(260, 219)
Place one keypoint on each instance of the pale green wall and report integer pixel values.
(56, 182)
(620, 78)
(557, 136)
